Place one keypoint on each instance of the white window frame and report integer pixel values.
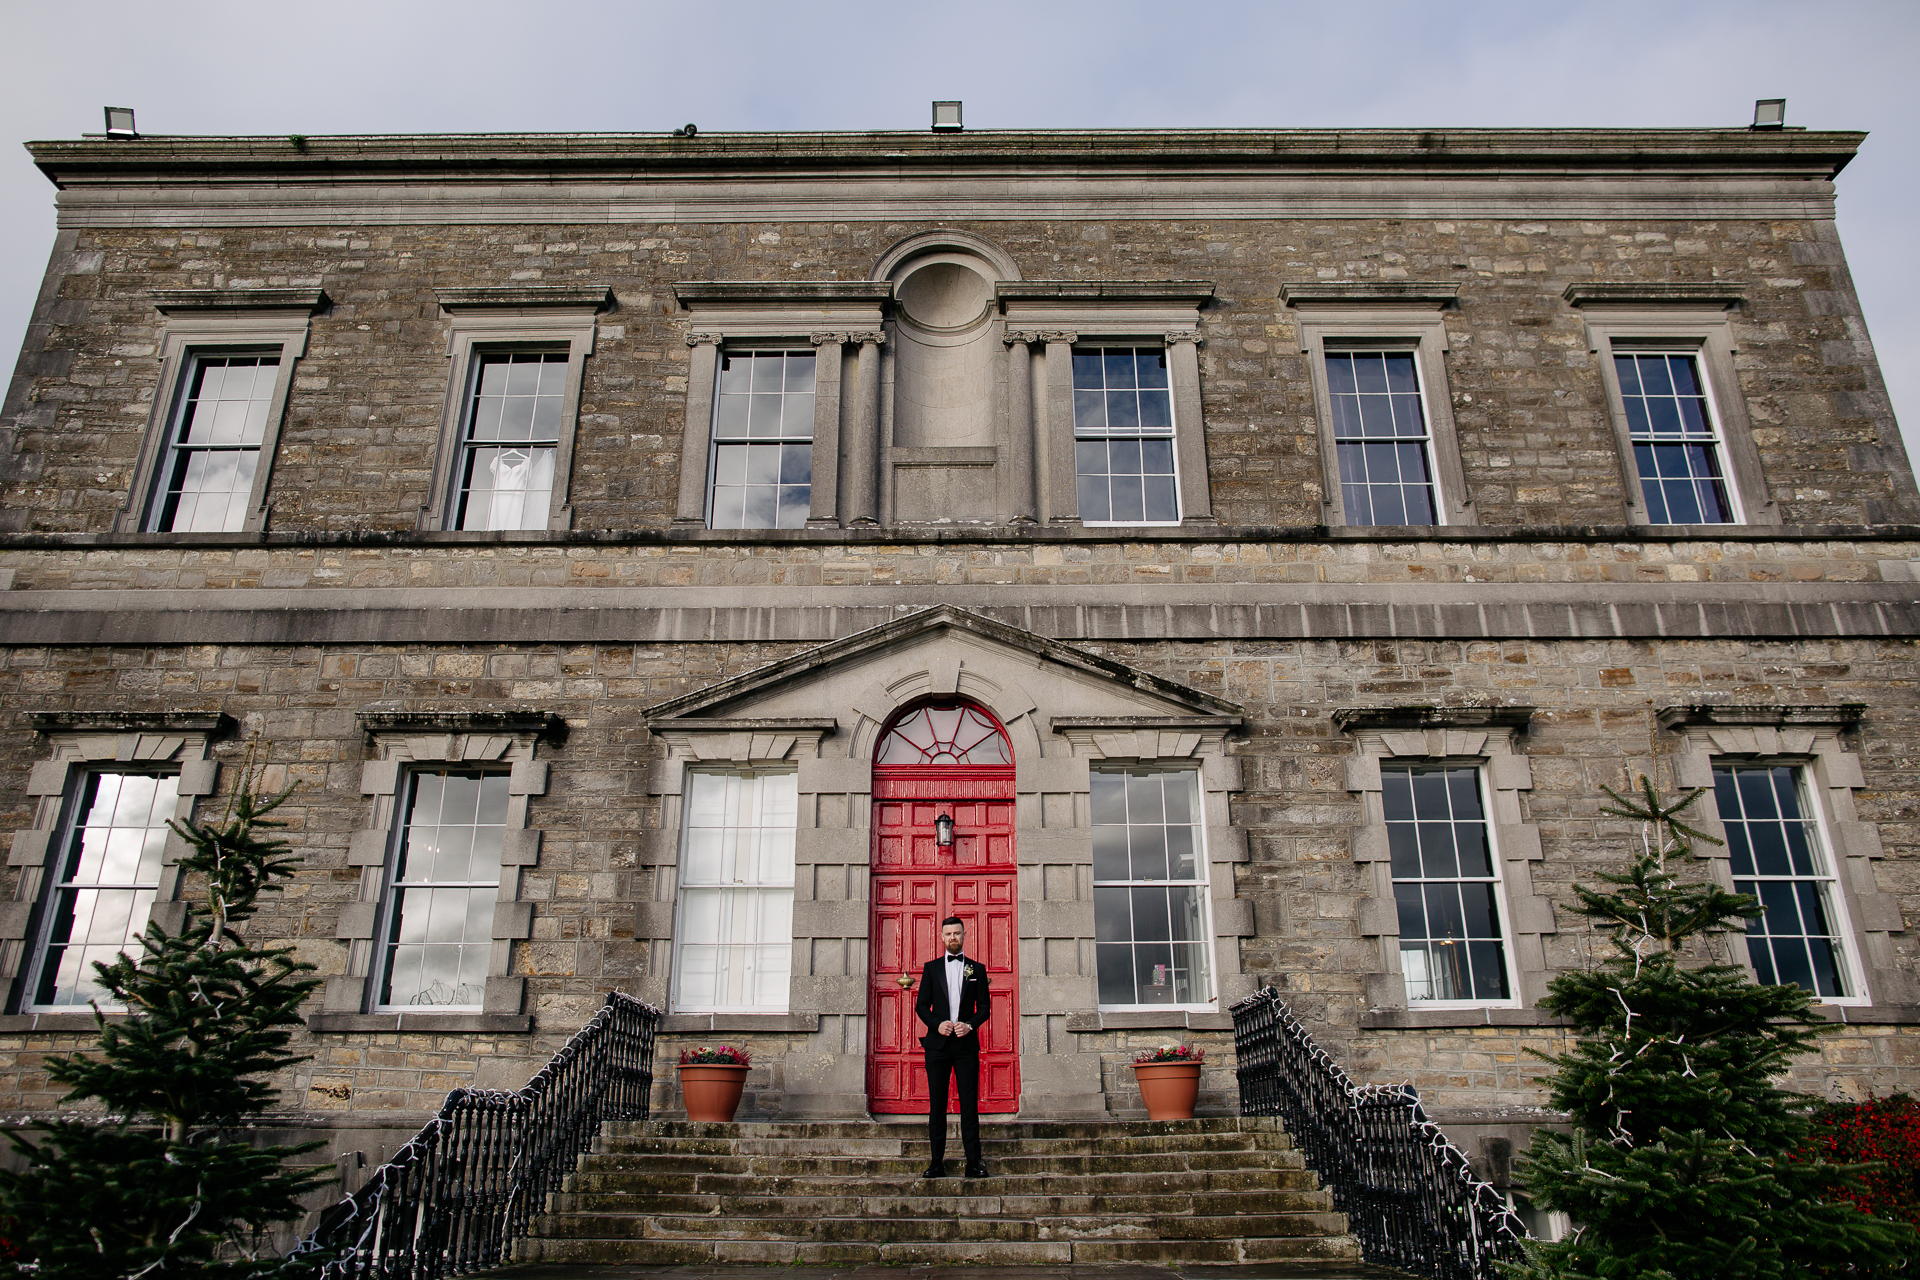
(79, 743)
(1827, 879)
(214, 323)
(1505, 923)
(823, 353)
(1171, 433)
(829, 315)
(395, 888)
(485, 321)
(402, 741)
(680, 1004)
(41, 947)
(1484, 738)
(1208, 996)
(1812, 737)
(1428, 441)
(1696, 319)
(1392, 316)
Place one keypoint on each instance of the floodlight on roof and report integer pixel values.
(120, 122)
(946, 115)
(1770, 113)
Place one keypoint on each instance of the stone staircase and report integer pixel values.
(1218, 1190)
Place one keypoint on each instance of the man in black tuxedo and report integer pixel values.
(953, 1004)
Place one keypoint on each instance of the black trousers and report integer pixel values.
(965, 1070)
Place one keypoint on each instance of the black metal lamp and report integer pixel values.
(943, 831)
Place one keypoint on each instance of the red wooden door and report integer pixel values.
(916, 884)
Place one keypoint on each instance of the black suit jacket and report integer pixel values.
(976, 1005)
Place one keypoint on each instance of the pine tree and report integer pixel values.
(1681, 1160)
(165, 1183)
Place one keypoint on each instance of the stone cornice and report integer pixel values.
(173, 302)
(597, 296)
(543, 724)
(211, 723)
(1425, 294)
(1353, 719)
(696, 293)
(1108, 293)
(1722, 294)
(1844, 715)
(1510, 153)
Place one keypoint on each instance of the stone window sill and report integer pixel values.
(1150, 1019)
(740, 1022)
(1411, 1019)
(18, 1022)
(438, 1023)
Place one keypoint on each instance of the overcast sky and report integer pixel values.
(403, 67)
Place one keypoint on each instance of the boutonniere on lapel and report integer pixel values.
(969, 971)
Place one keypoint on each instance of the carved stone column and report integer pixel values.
(863, 457)
(1022, 428)
(1189, 441)
(697, 437)
(823, 511)
(1061, 501)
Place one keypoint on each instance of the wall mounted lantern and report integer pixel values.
(943, 831)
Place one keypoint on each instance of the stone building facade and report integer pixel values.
(1271, 543)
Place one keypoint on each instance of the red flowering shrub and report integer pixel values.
(1882, 1130)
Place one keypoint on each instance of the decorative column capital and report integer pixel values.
(826, 337)
(1013, 336)
(1184, 335)
(704, 338)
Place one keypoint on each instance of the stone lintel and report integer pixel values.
(1353, 719)
(598, 296)
(1845, 715)
(214, 724)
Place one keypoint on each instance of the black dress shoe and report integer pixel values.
(976, 1170)
(934, 1171)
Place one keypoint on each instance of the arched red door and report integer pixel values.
(948, 757)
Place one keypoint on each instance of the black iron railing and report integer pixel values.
(463, 1190)
(1410, 1196)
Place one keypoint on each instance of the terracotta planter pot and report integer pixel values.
(1168, 1088)
(712, 1090)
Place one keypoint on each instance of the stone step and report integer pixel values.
(958, 1253)
(1213, 1190)
(649, 1226)
(1092, 1184)
(969, 1203)
(1122, 1144)
(903, 1169)
(916, 1125)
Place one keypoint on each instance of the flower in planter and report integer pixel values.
(1170, 1053)
(725, 1056)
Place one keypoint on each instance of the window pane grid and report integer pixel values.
(446, 881)
(215, 449)
(512, 440)
(104, 884)
(1452, 945)
(763, 441)
(1152, 943)
(1675, 446)
(1776, 856)
(1123, 436)
(735, 938)
(1381, 439)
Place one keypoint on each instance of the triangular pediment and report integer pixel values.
(946, 651)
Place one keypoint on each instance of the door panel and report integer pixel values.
(915, 885)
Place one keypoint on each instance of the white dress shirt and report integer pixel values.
(956, 970)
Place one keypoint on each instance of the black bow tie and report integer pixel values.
(955, 959)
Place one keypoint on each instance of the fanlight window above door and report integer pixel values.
(944, 735)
